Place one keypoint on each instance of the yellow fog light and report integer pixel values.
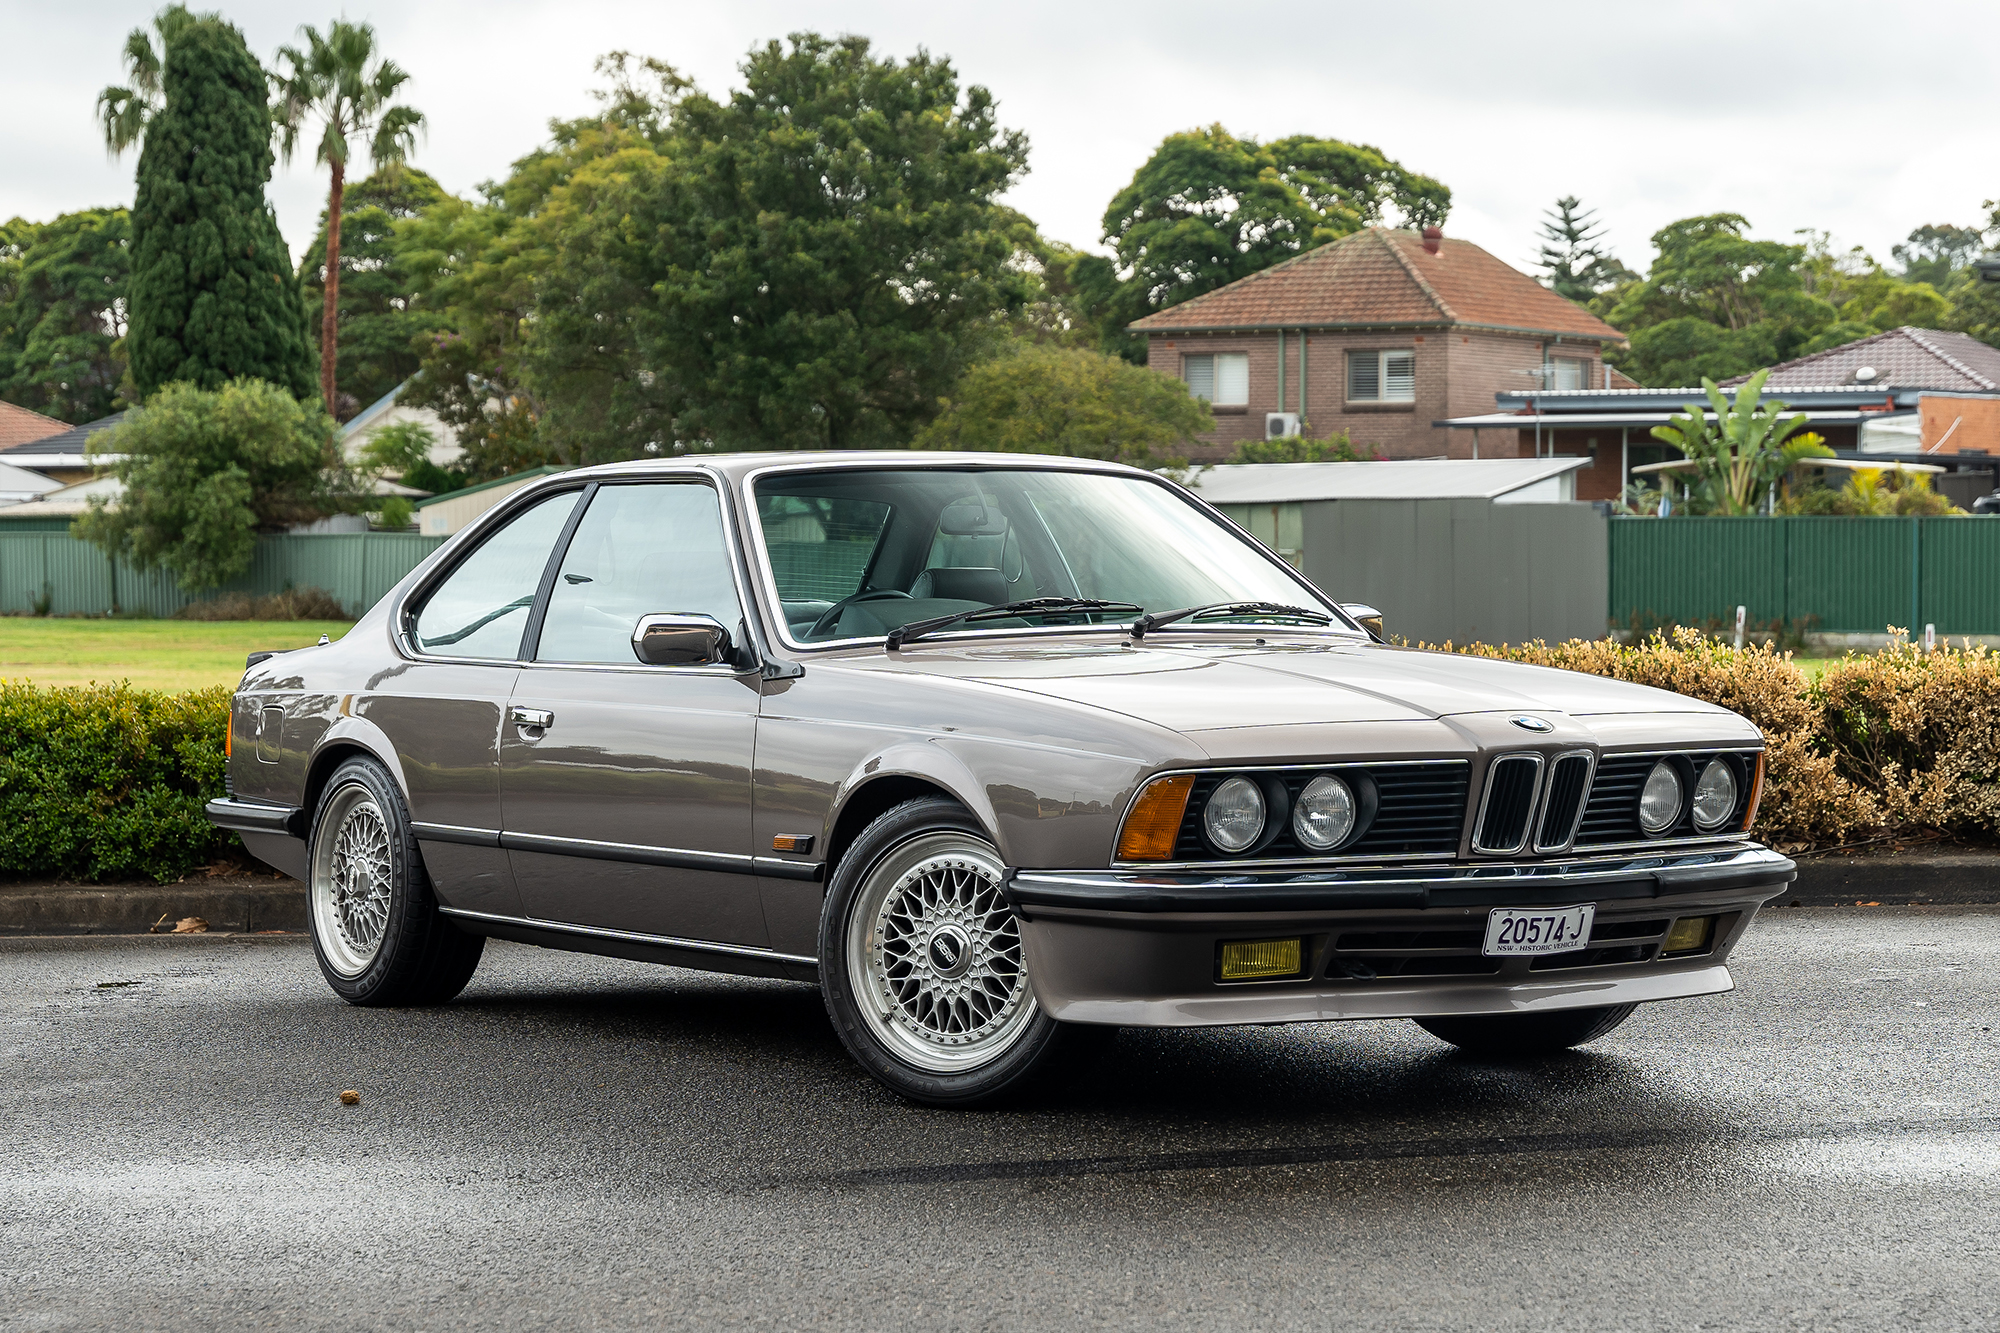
(1250, 960)
(1689, 935)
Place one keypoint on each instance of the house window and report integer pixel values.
(1566, 373)
(1223, 378)
(1381, 377)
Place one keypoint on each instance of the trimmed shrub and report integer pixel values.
(292, 604)
(1899, 743)
(108, 782)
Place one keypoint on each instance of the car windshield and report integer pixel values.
(859, 552)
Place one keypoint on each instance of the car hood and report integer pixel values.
(1192, 688)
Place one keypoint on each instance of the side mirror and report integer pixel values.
(1367, 617)
(680, 639)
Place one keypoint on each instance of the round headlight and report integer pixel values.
(1324, 813)
(1660, 799)
(1234, 815)
(1714, 795)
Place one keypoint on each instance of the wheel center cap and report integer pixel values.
(950, 951)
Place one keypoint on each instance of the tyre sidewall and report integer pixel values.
(1008, 1071)
(409, 889)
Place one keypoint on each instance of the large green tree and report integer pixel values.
(1210, 207)
(477, 266)
(204, 470)
(1719, 303)
(1069, 400)
(340, 81)
(381, 312)
(819, 256)
(213, 296)
(1937, 253)
(63, 290)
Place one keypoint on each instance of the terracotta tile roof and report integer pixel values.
(20, 426)
(1905, 358)
(1379, 276)
(65, 440)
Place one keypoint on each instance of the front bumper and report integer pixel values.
(1139, 949)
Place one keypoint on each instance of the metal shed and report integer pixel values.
(1467, 550)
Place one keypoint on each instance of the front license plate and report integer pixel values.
(1516, 930)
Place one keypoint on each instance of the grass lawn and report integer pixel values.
(154, 654)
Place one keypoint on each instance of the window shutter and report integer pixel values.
(1399, 377)
(1364, 376)
(1232, 378)
(1200, 372)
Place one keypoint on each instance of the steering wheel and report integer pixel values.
(831, 616)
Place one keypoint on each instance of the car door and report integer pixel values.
(442, 709)
(625, 787)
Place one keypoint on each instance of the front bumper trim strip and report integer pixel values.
(1744, 868)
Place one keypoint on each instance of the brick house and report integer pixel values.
(1381, 334)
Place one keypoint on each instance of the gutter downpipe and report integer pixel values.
(1281, 370)
(1302, 379)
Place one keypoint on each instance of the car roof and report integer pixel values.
(738, 465)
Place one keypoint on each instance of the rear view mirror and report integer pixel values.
(973, 519)
(1367, 617)
(680, 639)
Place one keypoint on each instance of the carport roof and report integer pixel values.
(1396, 479)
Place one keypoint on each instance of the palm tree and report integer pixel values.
(331, 80)
(125, 111)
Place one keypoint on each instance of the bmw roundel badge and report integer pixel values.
(1526, 723)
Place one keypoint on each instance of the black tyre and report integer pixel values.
(376, 927)
(1527, 1034)
(921, 964)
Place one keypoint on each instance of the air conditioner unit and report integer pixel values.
(1278, 425)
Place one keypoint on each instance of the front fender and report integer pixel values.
(925, 762)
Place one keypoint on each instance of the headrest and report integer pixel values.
(962, 585)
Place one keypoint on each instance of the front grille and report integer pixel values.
(1420, 811)
(1510, 797)
(1567, 783)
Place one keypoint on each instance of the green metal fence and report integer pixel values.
(1849, 575)
(358, 568)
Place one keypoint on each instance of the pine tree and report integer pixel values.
(213, 295)
(1572, 260)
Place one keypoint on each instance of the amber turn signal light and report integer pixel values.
(1253, 960)
(1756, 793)
(1155, 821)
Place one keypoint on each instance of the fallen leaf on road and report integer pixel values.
(1859, 903)
(190, 925)
(155, 929)
(350, 1098)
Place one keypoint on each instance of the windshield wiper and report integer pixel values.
(916, 629)
(1146, 624)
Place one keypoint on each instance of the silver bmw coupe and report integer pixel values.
(996, 750)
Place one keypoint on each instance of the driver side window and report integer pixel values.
(640, 550)
(482, 606)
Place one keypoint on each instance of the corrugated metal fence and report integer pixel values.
(1849, 575)
(358, 568)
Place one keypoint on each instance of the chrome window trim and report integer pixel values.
(404, 640)
(1535, 797)
(1340, 627)
(1287, 862)
(633, 936)
(1583, 802)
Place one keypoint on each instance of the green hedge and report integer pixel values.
(107, 781)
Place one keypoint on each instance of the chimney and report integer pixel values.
(1433, 239)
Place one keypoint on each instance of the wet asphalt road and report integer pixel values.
(587, 1143)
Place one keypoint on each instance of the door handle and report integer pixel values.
(532, 717)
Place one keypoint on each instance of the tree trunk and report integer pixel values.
(328, 327)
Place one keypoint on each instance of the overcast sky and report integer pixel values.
(1846, 117)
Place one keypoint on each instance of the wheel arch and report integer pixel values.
(882, 784)
(349, 739)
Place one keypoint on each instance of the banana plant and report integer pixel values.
(1739, 455)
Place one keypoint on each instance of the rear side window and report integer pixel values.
(482, 606)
